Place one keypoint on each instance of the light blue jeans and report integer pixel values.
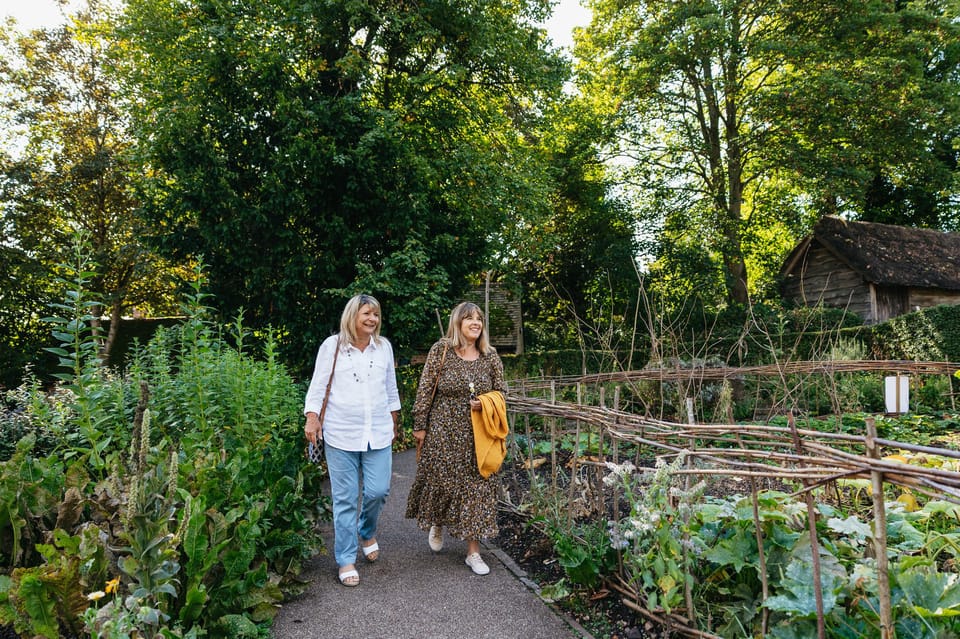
(347, 468)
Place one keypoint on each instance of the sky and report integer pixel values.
(31, 14)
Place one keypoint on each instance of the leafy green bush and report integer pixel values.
(929, 334)
(177, 494)
(673, 539)
(569, 362)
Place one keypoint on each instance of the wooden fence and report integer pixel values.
(811, 458)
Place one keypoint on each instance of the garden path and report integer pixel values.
(414, 593)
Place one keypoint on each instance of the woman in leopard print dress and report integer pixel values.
(448, 491)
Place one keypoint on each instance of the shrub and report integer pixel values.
(179, 488)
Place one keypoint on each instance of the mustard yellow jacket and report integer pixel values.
(490, 432)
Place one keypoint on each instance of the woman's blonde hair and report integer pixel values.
(462, 311)
(348, 321)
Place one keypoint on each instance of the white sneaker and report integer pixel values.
(436, 538)
(476, 563)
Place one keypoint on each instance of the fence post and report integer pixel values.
(814, 540)
(573, 462)
(553, 436)
(887, 630)
(687, 585)
(615, 515)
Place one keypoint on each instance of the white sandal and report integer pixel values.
(372, 552)
(349, 578)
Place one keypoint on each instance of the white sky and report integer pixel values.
(31, 14)
(567, 14)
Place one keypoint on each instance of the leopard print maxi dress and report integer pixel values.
(448, 490)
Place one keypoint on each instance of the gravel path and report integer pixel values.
(414, 593)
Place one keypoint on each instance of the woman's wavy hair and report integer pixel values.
(462, 311)
(348, 321)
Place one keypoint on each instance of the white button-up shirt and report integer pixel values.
(362, 395)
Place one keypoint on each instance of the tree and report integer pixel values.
(300, 146)
(686, 76)
(67, 169)
(576, 260)
(24, 295)
(869, 110)
(743, 117)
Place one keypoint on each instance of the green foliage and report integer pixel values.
(23, 302)
(204, 505)
(68, 165)
(929, 334)
(558, 363)
(304, 148)
(575, 259)
(901, 167)
(407, 284)
(30, 488)
(238, 627)
(33, 413)
(39, 607)
(79, 353)
(654, 536)
(584, 551)
(910, 428)
(670, 537)
(44, 599)
(744, 122)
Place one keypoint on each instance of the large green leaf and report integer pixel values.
(40, 605)
(797, 594)
(929, 592)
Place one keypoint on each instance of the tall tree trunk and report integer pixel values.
(106, 347)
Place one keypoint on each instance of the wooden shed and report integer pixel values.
(877, 271)
(506, 319)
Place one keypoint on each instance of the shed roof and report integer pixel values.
(886, 254)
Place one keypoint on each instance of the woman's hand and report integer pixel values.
(312, 430)
(419, 435)
(476, 405)
(396, 424)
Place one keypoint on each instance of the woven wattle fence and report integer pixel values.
(811, 458)
(717, 373)
(749, 450)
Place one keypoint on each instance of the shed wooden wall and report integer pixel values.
(506, 320)
(927, 297)
(821, 278)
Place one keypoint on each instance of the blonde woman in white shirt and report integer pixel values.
(360, 422)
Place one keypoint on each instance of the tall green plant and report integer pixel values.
(78, 353)
(195, 547)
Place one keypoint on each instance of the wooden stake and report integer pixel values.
(887, 629)
(814, 541)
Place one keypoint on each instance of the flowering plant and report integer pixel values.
(654, 536)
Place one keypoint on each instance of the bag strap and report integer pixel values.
(326, 394)
(436, 381)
